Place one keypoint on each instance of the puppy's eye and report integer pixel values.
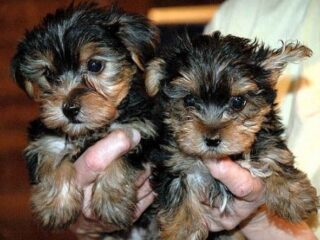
(192, 101)
(237, 103)
(189, 101)
(49, 75)
(95, 66)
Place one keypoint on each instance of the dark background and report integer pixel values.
(17, 110)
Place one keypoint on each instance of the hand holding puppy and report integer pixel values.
(88, 167)
(249, 212)
(248, 191)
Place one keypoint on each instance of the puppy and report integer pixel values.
(84, 66)
(217, 97)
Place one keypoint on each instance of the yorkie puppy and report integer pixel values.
(217, 94)
(85, 65)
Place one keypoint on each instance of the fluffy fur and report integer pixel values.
(84, 66)
(216, 95)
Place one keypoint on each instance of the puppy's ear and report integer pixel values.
(157, 79)
(155, 74)
(278, 59)
(138, 35)
(19, 78)
(161, 70)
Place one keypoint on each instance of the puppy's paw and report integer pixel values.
(56, 206)
(184, 221)
(183, 229)
(114, 205)
(178, 233)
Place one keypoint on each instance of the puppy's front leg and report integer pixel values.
(290, 194)
(114, 194)
(55, 198)
(182, 215)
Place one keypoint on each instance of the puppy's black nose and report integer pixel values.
(212, 142)
(71, 110)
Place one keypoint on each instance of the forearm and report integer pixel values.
(264, 226)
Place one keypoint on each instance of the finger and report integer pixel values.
(144, 176)
(91, 228)
(217, 221)
(85, 226)
(144, 190)
(96, 158)
(143, 204)
(86, 204)
(238, 180)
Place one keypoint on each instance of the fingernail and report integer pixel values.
(136, 136)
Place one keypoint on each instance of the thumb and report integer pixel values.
(238, 180)
(96, 158)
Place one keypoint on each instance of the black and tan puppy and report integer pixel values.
(84, 65)
(217, 97)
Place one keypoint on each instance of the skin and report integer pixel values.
(249, 214)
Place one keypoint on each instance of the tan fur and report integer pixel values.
(56, 201)
(153, 74)
(278, 59)
(186, 80)
(189, 215)
(88, 50)
(114, 194)
(295, 205)
(29, 88)
(135, 57)
(112, 89)
(243, 86)
(43, 61)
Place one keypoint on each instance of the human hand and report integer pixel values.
(247, 189)
(93, 161)
(249, 211)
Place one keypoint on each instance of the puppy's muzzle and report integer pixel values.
(72, 105)
(212, 138)
(71, 110)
